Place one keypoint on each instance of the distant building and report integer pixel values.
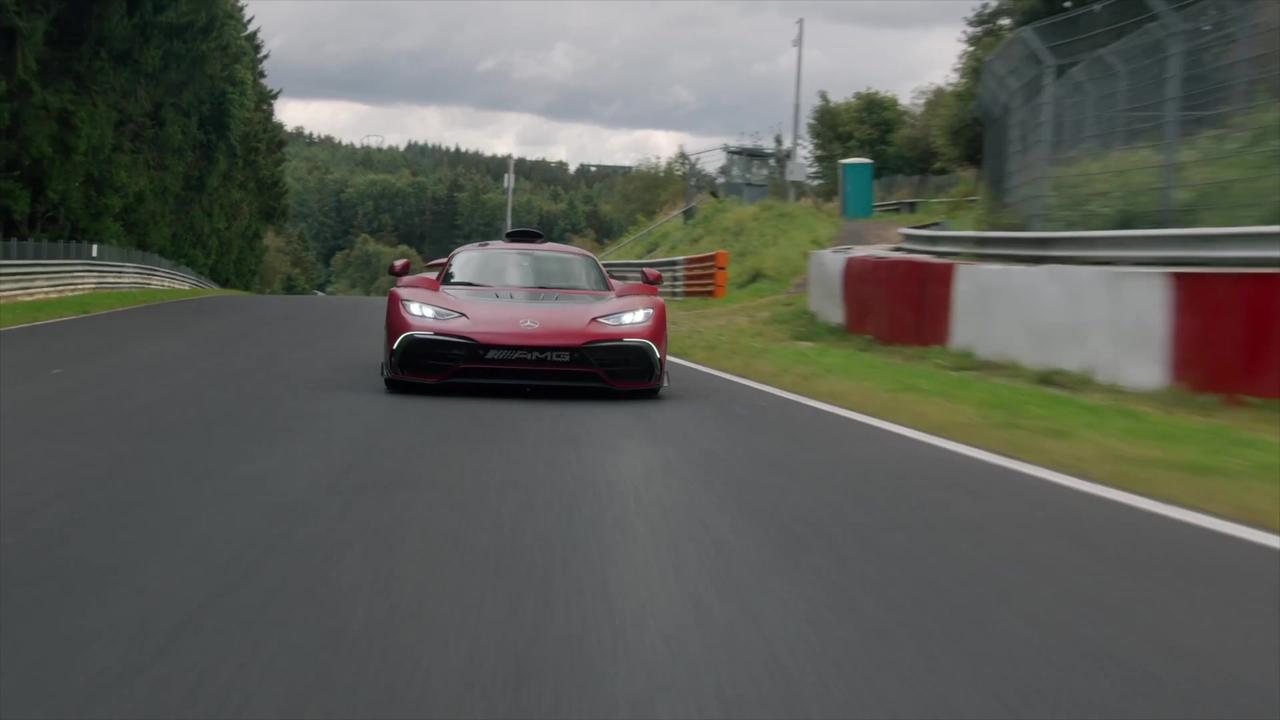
(599, 168)
(747, 172)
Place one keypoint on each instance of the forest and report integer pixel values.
(144, 124)
(429, 198)
(150, 124)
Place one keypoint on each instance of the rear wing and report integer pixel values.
(434, 267)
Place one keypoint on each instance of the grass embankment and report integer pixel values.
(21, 312)
(1191, 450)
(1225, 176)
(768, 242)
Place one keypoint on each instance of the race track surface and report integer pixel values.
(213, 509)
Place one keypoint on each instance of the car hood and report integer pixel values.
(504, 295)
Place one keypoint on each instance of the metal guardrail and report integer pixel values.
(705, 275)
(37, 267)
(1222, 246)
(900, 206)
(42, 277)
(15, 249)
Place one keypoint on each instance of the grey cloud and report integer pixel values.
(708, 68)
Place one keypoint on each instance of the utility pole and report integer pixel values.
(510, 182)
(795, 117)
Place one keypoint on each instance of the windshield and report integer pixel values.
(526, 269)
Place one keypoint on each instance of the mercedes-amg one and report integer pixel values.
(524, 311)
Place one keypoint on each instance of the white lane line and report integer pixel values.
(1191, 517)
(112, 310)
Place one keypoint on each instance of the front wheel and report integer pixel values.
(652, 392)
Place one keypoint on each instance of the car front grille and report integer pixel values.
(626, 362)
(435, 357)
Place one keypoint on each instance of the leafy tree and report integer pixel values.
(432, 197)
(959, 134)
(141, 123)
(865, 125)
(289, 266)
(362, 268)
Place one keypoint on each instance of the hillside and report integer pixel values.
(768, 242)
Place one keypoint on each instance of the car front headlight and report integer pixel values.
(630, 317)
(430, 312)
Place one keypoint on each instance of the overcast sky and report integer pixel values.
(596, 82)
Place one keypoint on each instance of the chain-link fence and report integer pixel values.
(1137, 114)
(15, 249)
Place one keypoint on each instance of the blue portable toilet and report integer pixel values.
(857, 187)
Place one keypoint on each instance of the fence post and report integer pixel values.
(1048, 79)
(1090, 127)
(1172, 106)
(993, 103)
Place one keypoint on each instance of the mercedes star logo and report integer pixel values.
(528, 324)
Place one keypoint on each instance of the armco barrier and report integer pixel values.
(704, 275)
(1223, 246)
(46, 277)
(1212, 331)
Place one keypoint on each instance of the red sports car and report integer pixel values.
(525, 311)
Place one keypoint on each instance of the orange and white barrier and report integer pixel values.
(704, 275)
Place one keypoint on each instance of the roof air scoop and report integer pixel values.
(525, 235)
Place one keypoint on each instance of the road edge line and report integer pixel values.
(112, 310)
(1175, 512)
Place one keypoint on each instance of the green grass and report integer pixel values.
(957, 215)
(1194, 451)
(21, 312)
(1225, 176)
(768, 242)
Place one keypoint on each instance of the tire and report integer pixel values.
(652, 392)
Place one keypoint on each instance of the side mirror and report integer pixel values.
(649, 276)
(398, 268)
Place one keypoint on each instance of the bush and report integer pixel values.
(362, 269)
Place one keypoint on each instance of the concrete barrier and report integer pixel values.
(1112, 324)
(826, 284)
(1227, 332)
(1214, 331)
(900, 300)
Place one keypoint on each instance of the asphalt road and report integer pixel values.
(212, 509)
